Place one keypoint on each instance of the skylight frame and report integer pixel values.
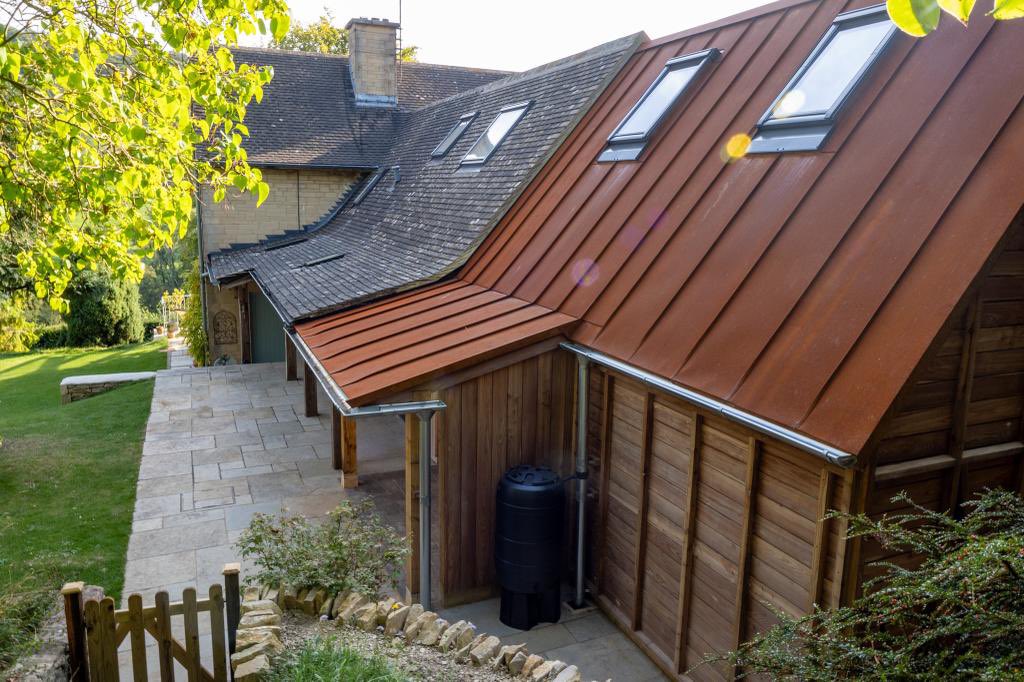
(628, 147)
(370, 184)
(473, 164)
(807, 132)
(441, 150)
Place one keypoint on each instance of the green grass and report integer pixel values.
(323, 660)
(68, 472)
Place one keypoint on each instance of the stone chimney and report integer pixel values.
(373, 61)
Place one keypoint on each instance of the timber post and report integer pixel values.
(75, 615)
(290, 361)
(309, 390)
(232, 600)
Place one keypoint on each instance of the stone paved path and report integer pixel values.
(223, 443)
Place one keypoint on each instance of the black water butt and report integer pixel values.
(528, 550)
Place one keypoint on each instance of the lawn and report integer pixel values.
(68, 472)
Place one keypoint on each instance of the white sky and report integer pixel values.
(519, 34)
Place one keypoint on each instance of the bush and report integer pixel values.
(17, 333)
(104, 310)
(193, 326)
(354, 550)
(958, 615)
(52, 336)
(150, 321)
(323, 660)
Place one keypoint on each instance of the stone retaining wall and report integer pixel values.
(79, 387)
(259, 632)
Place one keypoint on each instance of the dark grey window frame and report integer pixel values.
(438, 150)
(370, 184)
(476, 164)
(809, 131)
(629, 147)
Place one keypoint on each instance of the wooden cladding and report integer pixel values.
(956, 427)
(518, 414)
(700, 521)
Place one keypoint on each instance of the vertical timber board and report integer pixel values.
(309, 390)
(349, 454)
(191, 617)
(639, 559)
(218, 638)
(468, 486)
(686, 573)
(138, 637)
(290, 368)
(743, 564)
(962, 400)
(821, 531)
(484, 522)
(412, 506)
(245, 323)
(164, 636)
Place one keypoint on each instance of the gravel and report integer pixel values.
(418, 662)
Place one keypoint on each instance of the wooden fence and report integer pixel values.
(96, 630)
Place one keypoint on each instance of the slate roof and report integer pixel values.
(422, 226)
(308, 115)
(803, 288)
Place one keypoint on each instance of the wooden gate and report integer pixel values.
(96, 630)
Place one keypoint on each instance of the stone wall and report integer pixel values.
(225, 322)
(297, 198)
(78, 387)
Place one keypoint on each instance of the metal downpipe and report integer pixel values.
(582, 391)
(425, 419)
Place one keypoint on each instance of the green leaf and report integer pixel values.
(960, 9)
(1008, 9)
(915, 17)
(262, 191)
(279, 26)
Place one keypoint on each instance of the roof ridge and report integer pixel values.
(345, 57)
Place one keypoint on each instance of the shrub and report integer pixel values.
(150, 321)
(104, 310)
(17, 333)
(354, 550)
(958, 615)
(52, 336)
(323, 660)
(193, 326)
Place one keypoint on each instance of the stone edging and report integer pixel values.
(259, 632)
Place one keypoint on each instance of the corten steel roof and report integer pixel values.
(800, 287)
(420, 224)
(308, 116)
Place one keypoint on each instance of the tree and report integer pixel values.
(958, 614)
(111, 115)
(325, 37)
(921, 17)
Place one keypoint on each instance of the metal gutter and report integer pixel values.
(805, 443)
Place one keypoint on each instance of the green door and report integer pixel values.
(267, 330)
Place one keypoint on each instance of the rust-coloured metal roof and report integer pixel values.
(801, 287)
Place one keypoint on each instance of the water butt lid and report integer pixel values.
(528, 475)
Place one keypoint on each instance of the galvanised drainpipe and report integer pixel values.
(582, 396)
(424, 410)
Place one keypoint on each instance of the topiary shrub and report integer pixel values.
(104, 311)
(959, 615)
(354, 550)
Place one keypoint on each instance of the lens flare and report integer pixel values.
(585, 272)
(791, 102)
(736, 147)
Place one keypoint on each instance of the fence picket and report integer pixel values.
(220, 669)
(191, 616)
(94, 640)
(108, 642)
(163, 637)
(138, 635)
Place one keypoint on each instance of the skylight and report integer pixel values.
(628, 140)
(802, 116)
(453, 135)
(368, 187)
(495, 134)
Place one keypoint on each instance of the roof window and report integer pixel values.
(630, 137)
(368, 187)
(495, 134)
(802, 116)
(453, 135)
